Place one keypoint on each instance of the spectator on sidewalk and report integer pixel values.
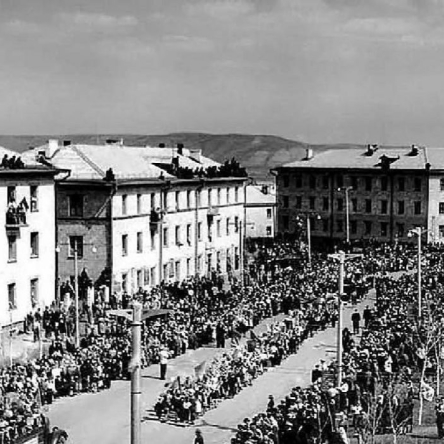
(356, 319)
(163, 361)
(199, 438)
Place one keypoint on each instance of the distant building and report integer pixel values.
(260, 208)
(142, 215)
(27, 245)
(385, 192)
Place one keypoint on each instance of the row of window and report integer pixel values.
(176, 270)
(33, 196)
(33, 293)
(365, 183)
(12, 246)
(369, 227)
(367, 205)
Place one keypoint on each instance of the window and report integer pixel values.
(325, 225)
(139, 278)
(368, 184)
(228, 195)
(298, 181)
(189, 234)
(285, 202)
(165, 237)
(210, 200)
(417, 207)
(298, 202)
(189, 199)
(285, 181)
(368, 205)
(139, 203)
(12, 248)
(218, 232)
(188, 267)
(354, 183)
(236, 224)
(34, 291)
(340, 181)
(139, 242)
(12, 297)
(400, 230)
(146, 277)
(384, 183)
(269, 213)
(124, 204)
(354, 205)
(76, 205)
(34, 243)
(199, 231)
(210, 232)
(368, 227)
(441, 184)
(11, 194)
(34, 198)
(384, 226)
(286, 222)
(401, 184)
(236, 258)
(219, 196)
(177, 239)
(198, 202)
(441, 230)
(268, 230)
(228, 227)
(401, 207)
(153, 201)
(236, 194)
(177, 200)
(165, 200)
(124, 244)
(339, 226)
(153, 275)
(353, 227)
(76, 242)
(177, 270)
(441, 208)
(417, 184)
(312, 201)
(340, 203)
(312, 182)
(384, 206)
(325, 203)
(325, 183)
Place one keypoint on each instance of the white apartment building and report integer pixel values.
(143, 215)
(260, 209)
(27, 245)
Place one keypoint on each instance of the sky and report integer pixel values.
(320, 71)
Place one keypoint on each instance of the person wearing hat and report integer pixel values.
(198, 439)
(356, 319)
(163, 361)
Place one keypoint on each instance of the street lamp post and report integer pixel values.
(341, 257)
(136, 389)
(347, 212)
(76, 293)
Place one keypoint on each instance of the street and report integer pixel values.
(104, 417)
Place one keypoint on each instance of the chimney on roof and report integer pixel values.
(180, 147)
(114, 141)
(309, 154)
(66, 142)
(51, 148)
(161, 145)
(414, 151)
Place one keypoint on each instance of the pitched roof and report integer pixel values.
(256, 196)
(357, 158)
(29, 162)
(435, 157)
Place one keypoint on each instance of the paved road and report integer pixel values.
(104, 417)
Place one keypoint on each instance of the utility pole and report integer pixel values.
(341, 257)
(76, 292)
(136, 390)
(309, 239)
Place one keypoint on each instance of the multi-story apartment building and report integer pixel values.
(141, 215)
(373, 193)
(260, 209)
(27, 244)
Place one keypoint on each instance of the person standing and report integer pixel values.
(356, 319)
(198, 439)
(163, 360)
(367, 316)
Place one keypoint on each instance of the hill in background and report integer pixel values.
(258, 153)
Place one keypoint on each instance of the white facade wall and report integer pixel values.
(25, 268)
(435, 220)
(175, 256)
(259, 224)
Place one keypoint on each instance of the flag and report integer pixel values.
(199, 370)
(253, 336)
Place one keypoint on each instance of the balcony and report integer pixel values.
(15, 218)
